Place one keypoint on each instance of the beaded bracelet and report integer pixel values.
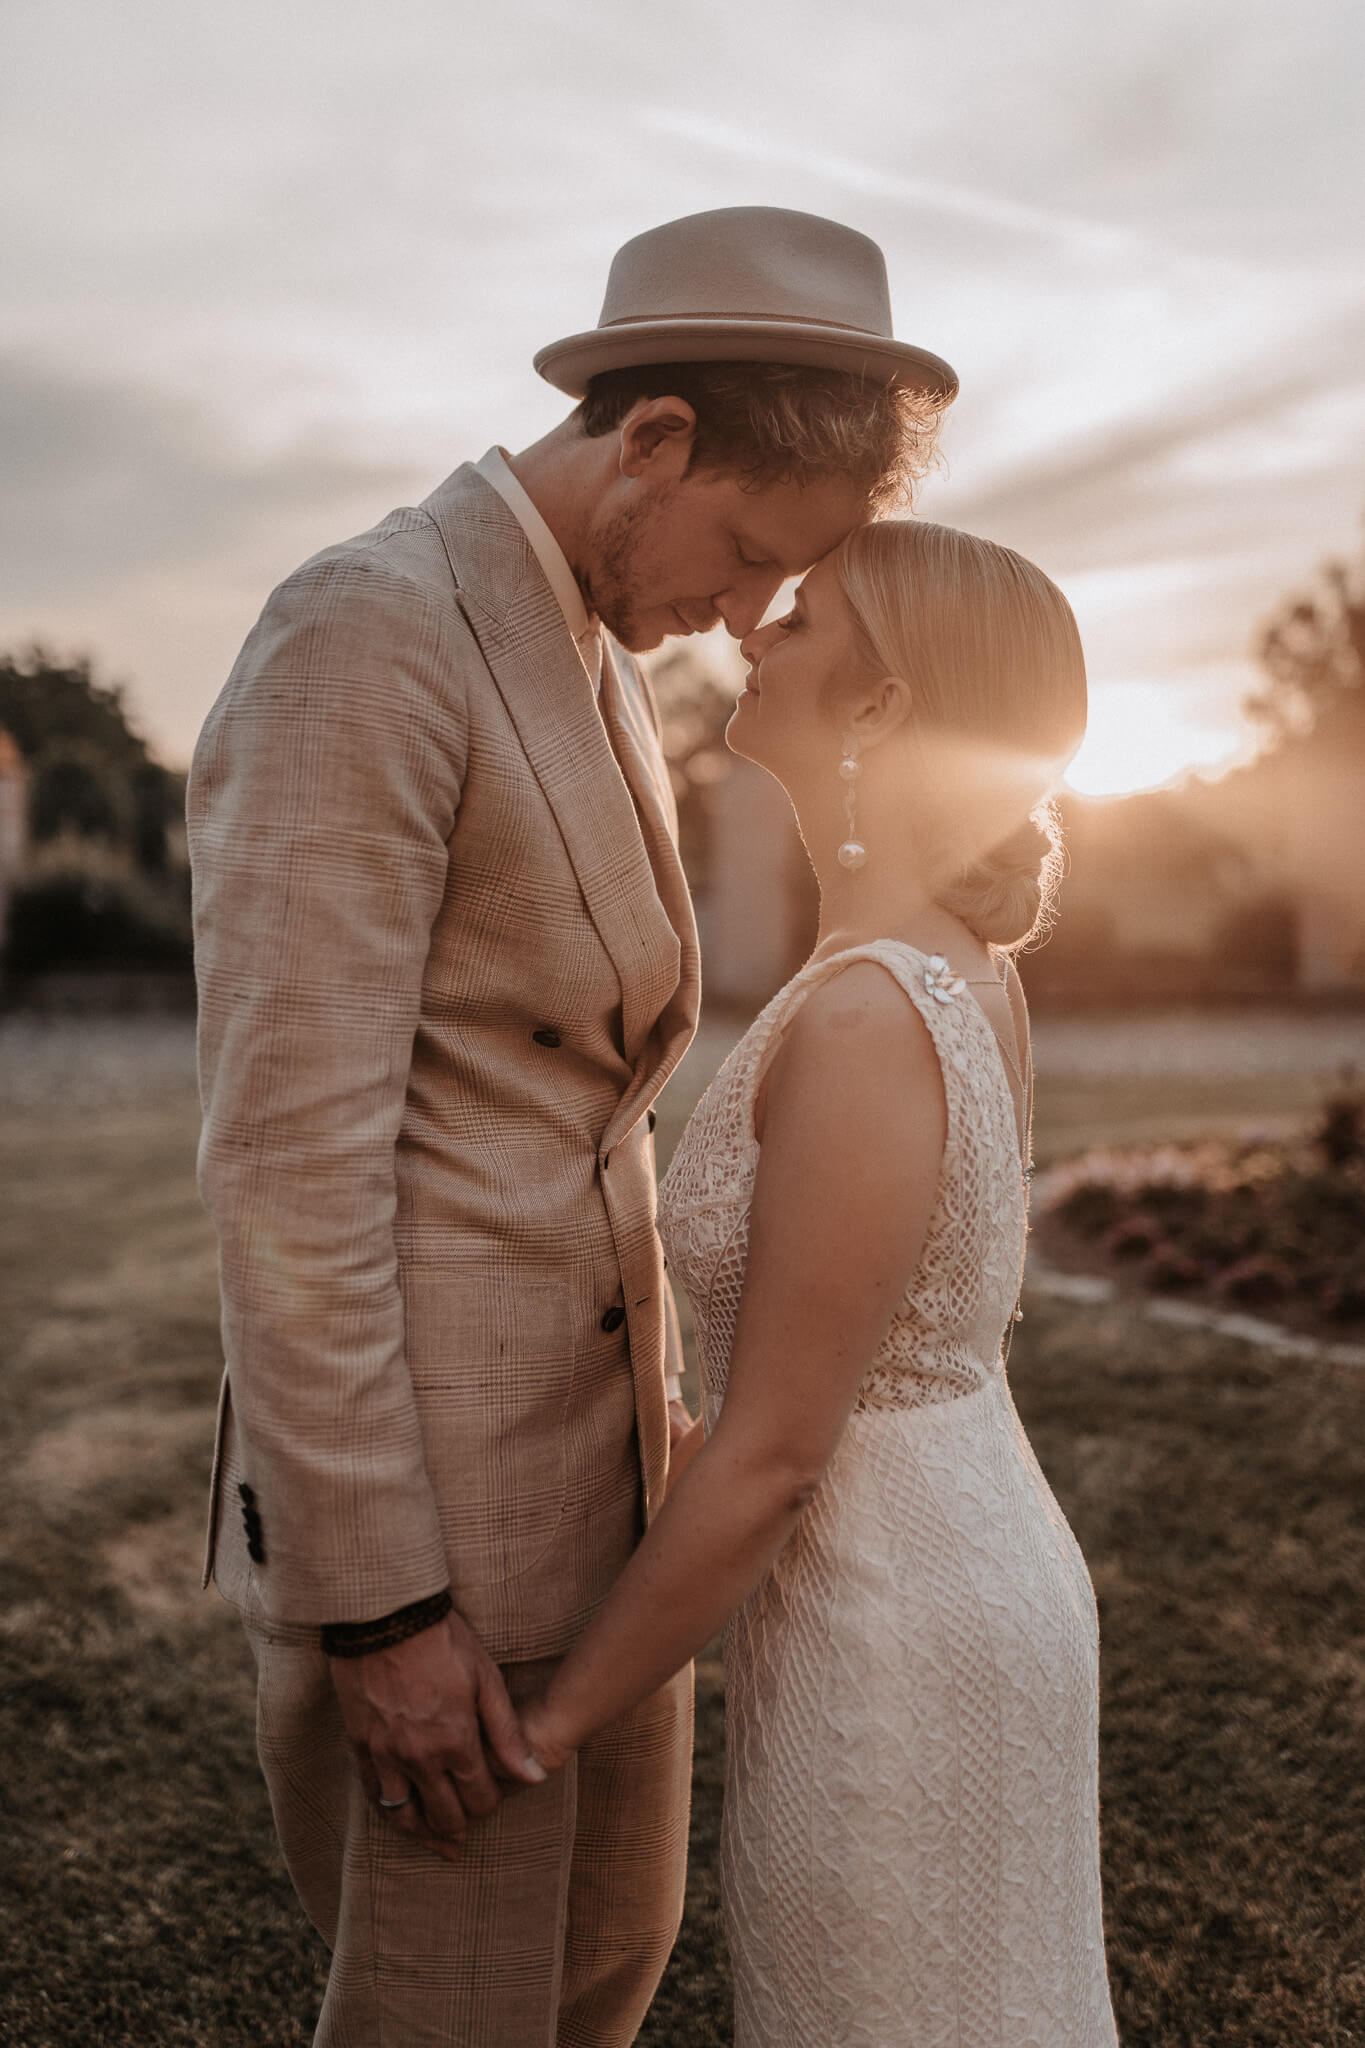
(359, 1638)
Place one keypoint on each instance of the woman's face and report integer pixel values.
(785, 719)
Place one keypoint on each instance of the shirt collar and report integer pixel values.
(495, 469)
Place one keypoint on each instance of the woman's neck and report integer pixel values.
(890, 896)
(856, 909)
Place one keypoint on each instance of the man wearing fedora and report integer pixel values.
(446, 962)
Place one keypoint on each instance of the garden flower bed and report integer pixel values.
(1277, 1227)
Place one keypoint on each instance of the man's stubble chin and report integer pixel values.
(610, 590)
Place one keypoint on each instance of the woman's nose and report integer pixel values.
(756, 644)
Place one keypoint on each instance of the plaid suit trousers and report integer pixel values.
(552, 1930)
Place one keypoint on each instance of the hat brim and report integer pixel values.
(570, 364)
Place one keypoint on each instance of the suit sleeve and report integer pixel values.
(323, 793)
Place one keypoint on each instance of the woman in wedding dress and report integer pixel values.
(910, 1851)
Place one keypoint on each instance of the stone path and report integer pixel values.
(1090, 1289)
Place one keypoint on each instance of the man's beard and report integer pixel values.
(611, 589)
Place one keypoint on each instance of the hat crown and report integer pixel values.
(751, 263)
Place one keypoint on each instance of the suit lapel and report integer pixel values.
(533, 661)
(630, 722)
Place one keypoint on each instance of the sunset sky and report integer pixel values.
(267, 270)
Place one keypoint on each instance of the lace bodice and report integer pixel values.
(945, 1337)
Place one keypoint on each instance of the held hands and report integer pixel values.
(428, 1718)
(433, 1727)
(538, 1722)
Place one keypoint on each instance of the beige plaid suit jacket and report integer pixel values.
(446, 960)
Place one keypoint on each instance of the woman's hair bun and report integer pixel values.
(1008, 897)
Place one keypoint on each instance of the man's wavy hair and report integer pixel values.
(772, 423)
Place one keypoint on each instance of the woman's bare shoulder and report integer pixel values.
(859, 1017)
(865, 994)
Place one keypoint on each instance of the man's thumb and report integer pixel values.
(504, 1733)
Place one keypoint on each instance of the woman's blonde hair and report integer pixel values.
(989, 649)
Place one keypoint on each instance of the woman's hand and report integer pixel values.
(539, 1729)
(684, 1450)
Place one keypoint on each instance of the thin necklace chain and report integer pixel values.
(1025, 1083)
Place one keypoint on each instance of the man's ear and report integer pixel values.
(879, 709)
(657, 437)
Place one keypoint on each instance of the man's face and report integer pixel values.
(676, 553)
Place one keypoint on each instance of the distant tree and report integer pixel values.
(1313, 655)
(91, 774)
(44, 702)
(69, 919)
(74, 792)
(98, 889)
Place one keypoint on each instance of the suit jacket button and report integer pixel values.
(613, 1318)
(547, 1037)
(652, 1119)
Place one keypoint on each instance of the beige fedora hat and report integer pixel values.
(746, 284)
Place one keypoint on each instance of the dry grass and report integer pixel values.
(143, 1900)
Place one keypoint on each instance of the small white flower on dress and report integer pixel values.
(943, 985)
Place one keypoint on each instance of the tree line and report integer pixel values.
(105, 884)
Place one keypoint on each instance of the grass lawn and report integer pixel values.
(1215, 1493)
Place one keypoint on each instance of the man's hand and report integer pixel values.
(419, 1715)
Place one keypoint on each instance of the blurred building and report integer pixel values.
(1300, 814)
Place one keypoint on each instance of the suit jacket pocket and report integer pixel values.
(492, 1363)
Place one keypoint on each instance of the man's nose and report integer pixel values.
(742, 609)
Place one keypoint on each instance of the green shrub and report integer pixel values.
(74, 919)
(1256, 1224)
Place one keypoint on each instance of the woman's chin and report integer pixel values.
(738, 733)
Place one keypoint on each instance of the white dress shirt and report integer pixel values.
(495, 469)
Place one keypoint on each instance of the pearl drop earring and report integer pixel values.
(852, 854)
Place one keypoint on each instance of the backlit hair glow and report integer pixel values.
(990, 650)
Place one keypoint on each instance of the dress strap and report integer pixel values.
(917, 986)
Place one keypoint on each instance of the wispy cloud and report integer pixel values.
(102, 477)
(954, 202)
(296, 261)
(1245, 396)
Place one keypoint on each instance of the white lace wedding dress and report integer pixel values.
(910, 1853)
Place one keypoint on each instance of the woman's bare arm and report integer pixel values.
(684, 1451)
(854, 1130)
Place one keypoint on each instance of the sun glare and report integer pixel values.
(1144, 735)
